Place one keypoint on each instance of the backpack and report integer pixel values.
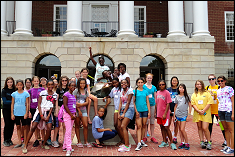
(60, 114)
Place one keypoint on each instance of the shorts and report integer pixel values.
(21, 119)
(172, 106)
(84, 113)
(225, 116)
(181, 119)
(164, 122)
(38, 118)
(152, 118)
(143, 114)
(129, 113)
(28, 120)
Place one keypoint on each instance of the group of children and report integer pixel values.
(70, 103)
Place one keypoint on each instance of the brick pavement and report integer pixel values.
(151, 150)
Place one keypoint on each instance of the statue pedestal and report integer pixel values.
(108, 123)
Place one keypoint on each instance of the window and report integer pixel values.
(139, 20)
(60, 16)
(230, 73)
(229, 26)
(100, 14)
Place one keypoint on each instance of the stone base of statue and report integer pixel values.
(108, 123)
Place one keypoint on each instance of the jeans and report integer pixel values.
(108, 135)
(68, 126)
(9, 124)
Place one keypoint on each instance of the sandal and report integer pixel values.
(119, 143)
(102, 143)
(24, 151)
(97, 145)
(79, 145)
(45, 147)
(88, 145)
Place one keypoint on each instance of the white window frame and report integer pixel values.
(227, 12)
(144, 16)
(100, 21)
(54, 13)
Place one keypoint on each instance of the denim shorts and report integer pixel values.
(129, 113)
(181, 119)
(143, 114)
(225, 116)
(84, 113)
(38, 118)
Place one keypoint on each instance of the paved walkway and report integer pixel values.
(151, 150)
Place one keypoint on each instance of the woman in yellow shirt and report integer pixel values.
(201, 101)
(212, 88)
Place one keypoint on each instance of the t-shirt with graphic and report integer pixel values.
(123, 76)
(151, 94)
(97, 122)
(182, 106)
(162, 99)
(71, 102)
(61, 93)
(34, 95)
(48, 101)
(81, 98)
(99, 70)
(19, 103)
(124, 97)
(201, 100)
(173, 93)
(140, 100)
(224, 96)
(214, 106)
(115, 93)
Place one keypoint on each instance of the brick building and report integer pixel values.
(190, 53)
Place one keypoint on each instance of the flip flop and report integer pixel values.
(97, 145)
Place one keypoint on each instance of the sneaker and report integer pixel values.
(64, 150)
(49, 142)
(163, 144)
(145, 139)
(148, 134)
(36, 143)
(68, 153)
(206, 143)
(139, 146)
(224, 144)
(10, 142)
(45, 147)
(181, 146)
(55, 144)
(208, 146)
(203, 145)
(6, 144)
(173, 146)
(154, 140)
(174, 140)
(143, 144)
(229, 151)
(123, 145)
(124, 149)
(187, 147)
(79, 145)
(224, 149)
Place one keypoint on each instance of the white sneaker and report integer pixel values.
(68, 153)
(55, 144)
(123, 145)
(139, 146)
(124, 149)
(224, 149)
(143, 144)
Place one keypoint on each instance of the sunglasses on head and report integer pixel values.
(220, 81)
(211, 79)
(162, 84)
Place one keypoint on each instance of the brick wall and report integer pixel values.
(217, 25)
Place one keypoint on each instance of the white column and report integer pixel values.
(3, 17)
(126, 19)
(74, 19)
(175, 18)
(10, 16)
(188, 14)
(23, 17)
(200, 18)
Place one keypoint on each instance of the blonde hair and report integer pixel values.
(203, 87)
(77, 71)
(148, 74)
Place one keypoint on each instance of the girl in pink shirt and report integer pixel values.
(163, 99)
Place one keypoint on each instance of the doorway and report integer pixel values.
(47, 66)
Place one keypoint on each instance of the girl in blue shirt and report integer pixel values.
(142, 109)
(19, 111)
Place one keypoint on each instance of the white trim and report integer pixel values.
(225, 25)
(145, 30)
(54, 13)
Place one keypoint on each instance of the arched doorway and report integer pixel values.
(154, 65)
(48, 65)
(108, 62)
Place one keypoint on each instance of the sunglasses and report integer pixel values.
(220, 80)
(162, 84)
(211, 79)
(64, 80)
